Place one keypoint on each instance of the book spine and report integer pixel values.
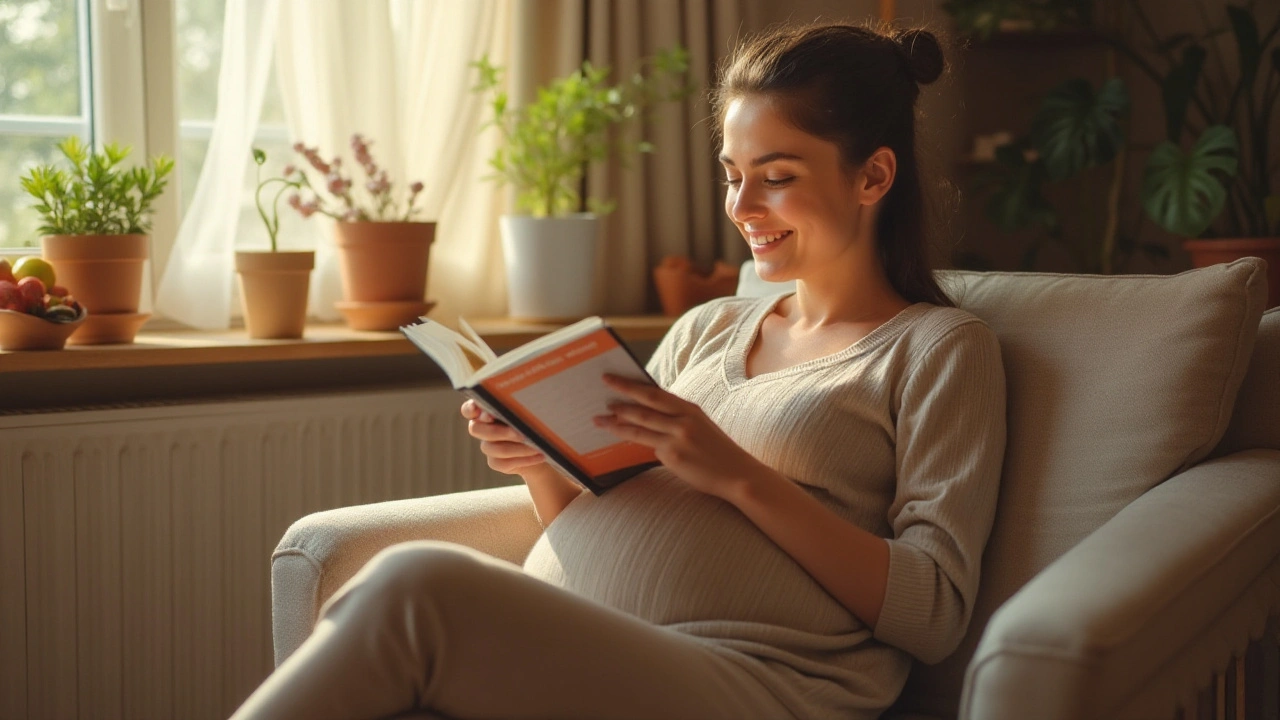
(495, 408)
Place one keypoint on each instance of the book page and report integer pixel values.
(558, 392)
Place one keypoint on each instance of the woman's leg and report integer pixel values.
(436, 626)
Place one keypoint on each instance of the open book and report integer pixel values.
(548, 389)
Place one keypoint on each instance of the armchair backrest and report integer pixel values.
(1115, 383)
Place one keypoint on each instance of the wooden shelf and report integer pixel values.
(322, 341)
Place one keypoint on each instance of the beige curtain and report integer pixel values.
(670, 202)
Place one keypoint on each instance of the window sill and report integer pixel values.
(186, 366)
(321, 341)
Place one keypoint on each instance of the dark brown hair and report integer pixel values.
(856, 87)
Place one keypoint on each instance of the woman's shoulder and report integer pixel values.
(938, 328)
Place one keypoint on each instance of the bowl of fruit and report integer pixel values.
(35, 315)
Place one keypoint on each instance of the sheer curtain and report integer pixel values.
(196, 287)
(396, 71)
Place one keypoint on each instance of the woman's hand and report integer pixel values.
(502, 444)
(682, 436)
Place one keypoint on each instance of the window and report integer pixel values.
(44, 96)
(97, 69)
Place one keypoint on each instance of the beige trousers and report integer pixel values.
(438, 627)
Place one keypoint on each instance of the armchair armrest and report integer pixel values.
(1157, 596)
(321, 551)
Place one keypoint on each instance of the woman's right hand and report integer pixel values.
(502, 444)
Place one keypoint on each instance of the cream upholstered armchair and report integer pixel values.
(1136, 546)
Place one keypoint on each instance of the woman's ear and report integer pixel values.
(876, 176)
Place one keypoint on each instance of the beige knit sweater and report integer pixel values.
(901, 433)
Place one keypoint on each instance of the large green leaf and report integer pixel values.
(1017, 200)
(1184, 192)
(1076, 128)
(1178, 88)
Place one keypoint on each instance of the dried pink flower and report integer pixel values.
(374, 199)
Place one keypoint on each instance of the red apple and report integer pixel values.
(10, 298)
(31, 290)
(58, 291)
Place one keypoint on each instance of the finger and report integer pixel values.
(470, 410)
(642, 416)
(494, 431)
(508, 450)
(645, 393)
(627, 431)
(511, 466)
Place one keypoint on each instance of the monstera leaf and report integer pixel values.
(1075, 128)
(1184, 192)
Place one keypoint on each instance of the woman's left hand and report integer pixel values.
(681, 435)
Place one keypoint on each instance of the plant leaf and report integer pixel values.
(1247, 42)
(1184, 192)
(1178, 87)
(1075, 128)
(259, 156)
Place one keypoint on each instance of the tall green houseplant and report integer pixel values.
(1211, 174)
(546, 147)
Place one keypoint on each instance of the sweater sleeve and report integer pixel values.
(950, 448)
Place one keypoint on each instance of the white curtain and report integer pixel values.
(196, 287)
(395, 71)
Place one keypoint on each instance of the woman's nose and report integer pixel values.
(745, 203)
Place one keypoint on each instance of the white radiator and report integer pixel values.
(135, 542)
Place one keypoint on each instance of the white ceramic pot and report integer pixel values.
(551, 266)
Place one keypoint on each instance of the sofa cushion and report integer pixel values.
(1256, 420)
(1115, 383)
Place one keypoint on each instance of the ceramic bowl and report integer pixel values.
(20, 331)
(382, 315)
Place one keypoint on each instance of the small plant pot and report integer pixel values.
(273, 292)
(104, 274)
(384, 261)
(680, 287)
(1224, 250)
(550, 266)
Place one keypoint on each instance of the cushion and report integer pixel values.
(1115, 383)
(1256, 420)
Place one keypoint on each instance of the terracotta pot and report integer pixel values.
(680, 287)
(273, 292)
(104, 273)
(1223, 250)
(384, 261)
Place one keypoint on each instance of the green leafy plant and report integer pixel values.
(548, 143)
(272, 220)
(97, 196)
(1197, 181)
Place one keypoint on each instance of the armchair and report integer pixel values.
(1136, 547)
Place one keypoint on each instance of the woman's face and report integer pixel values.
(788, 193)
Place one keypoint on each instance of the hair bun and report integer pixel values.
(923, 54)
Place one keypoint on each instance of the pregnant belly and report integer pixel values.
(655, 548)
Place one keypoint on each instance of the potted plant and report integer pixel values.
(547, 144)
(1196, 183)
(95, 221)
(383, 247)
(273, 283)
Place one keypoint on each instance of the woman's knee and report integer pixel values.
(420, 568)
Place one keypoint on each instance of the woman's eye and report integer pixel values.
(732, 182)
(778, 182)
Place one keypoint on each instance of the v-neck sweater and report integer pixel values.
(901, 433)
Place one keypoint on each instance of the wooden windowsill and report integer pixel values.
(320, 342)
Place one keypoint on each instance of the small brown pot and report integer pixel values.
(103, 273)
(1223, 250)
(273, 292)
(384, 261)
(681, 288)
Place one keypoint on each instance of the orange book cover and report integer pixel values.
(551, 391)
